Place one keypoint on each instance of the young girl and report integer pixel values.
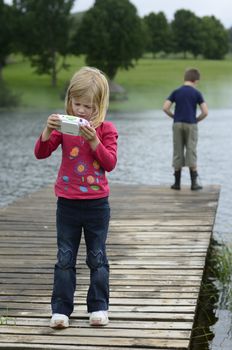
(82, 190)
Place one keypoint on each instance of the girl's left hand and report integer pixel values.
(89, 133)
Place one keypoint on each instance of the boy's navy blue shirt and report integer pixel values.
(186, 99)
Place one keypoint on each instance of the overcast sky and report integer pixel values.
(221, 9)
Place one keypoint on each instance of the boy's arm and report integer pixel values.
(167, 108)
(204, 112)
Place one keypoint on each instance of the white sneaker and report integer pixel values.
(99, 318)
(59, 321)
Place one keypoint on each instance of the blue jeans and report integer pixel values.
(92, 216)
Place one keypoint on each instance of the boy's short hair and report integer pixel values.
(192, 74)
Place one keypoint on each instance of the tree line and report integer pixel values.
(110, 34)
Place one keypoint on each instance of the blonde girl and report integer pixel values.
(82, 192)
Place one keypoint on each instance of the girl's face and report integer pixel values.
(83, 108)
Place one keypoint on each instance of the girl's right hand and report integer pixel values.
(53, 122)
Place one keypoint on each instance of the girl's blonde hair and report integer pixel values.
(91, 83)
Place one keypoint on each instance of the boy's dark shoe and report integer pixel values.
(194, 184)
(176, 185)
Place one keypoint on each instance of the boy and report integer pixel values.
(185, 128)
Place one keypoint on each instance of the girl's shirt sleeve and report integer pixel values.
(44, 149)
(106, 151)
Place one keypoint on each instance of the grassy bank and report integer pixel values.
(147, 85)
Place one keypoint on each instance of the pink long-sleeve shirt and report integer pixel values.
(82, 170)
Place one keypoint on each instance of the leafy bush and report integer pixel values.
(7, 97)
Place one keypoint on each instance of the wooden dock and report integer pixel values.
(157, 246)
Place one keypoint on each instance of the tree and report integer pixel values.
(215, 38)
(158, 32)
(6, 34)
(7, 98)
(110, 35)
(43, 28)
(186, 28)
(230, 38)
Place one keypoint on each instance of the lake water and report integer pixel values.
(144, 157)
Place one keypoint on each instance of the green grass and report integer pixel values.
(147, 84)
(216, 293)
(36, 90)
(151, 81)
(221, 262)
(6, 320)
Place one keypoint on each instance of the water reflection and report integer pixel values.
(206, 318)
(213, 323)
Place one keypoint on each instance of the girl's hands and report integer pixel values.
(89, 133)
(53, 122)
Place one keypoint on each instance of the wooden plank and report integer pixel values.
(96, 341)
(129, 316)
(114, 323)
(157, 246)
(100, 332)
(13, 346)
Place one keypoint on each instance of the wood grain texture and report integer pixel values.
(157, 247)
